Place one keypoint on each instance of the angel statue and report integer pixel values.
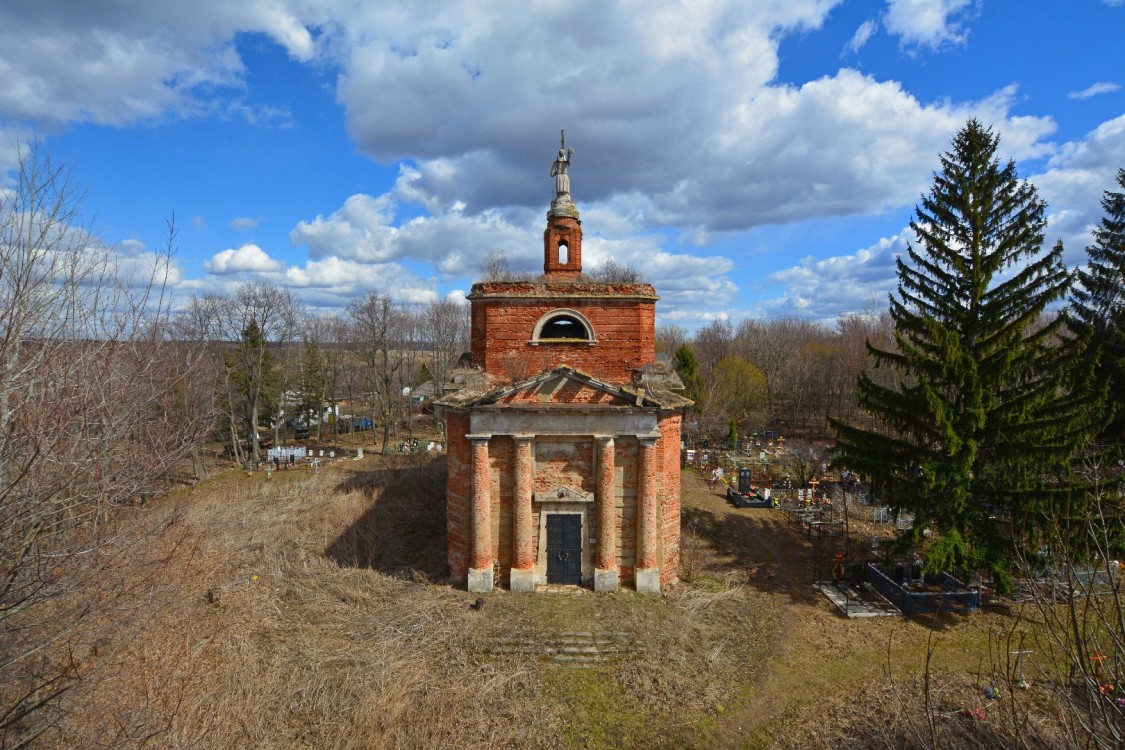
(558, 171)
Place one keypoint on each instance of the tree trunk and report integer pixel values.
(197, 463)
(255, 443)
(236, 448)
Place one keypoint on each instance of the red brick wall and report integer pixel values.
(458, 494)
(562, 229)
(625, 485)
(502, 475)
(669, 468)
(563, 463)
(504, 317)
(555, 464)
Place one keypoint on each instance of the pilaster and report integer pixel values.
(522, 576)
(606, 574)
(648, 518)
(480, 559)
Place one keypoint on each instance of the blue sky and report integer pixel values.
(753, 159)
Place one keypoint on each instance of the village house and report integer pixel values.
(564, 431)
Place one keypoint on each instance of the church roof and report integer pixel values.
(650, 389)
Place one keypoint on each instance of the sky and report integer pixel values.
(752, 159)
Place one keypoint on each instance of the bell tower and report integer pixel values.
(562, 240)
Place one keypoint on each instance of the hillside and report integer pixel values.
(309, 611)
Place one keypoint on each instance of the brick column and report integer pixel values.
(606, 576)
(480, 559)
(647, 564)
(523, 535)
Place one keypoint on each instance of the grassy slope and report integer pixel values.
(328, 625)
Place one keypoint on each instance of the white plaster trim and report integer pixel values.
(480, 580)
(563, 495)
(590, 339)
(552, 422)
(522, 580)
(606, 581)
(647, 580)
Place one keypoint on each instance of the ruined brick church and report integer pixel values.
(564, 431)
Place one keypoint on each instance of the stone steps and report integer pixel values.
(575, 648)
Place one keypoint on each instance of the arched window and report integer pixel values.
(569, 326)
(564, 253)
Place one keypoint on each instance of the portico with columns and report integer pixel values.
(564, 432)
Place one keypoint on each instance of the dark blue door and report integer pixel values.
(564, 548)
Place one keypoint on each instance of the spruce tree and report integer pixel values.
(978, 424)
(687, 367)
(1098, 314)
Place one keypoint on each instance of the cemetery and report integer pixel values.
(849, 554)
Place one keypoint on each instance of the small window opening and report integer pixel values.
(563, 327)
(564, 254)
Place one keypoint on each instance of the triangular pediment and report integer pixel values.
(567, 386)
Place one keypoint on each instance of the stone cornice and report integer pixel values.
(579, 289)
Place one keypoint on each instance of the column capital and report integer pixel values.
(523, 438)
(648, 438)
(604, 438)
(479, 437)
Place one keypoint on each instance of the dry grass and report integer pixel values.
(310, 612)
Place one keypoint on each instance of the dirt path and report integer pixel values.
(779, 561)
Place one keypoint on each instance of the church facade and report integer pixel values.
(563, 433)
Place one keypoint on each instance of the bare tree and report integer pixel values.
(90, 385)
(735, 391)
(377, 328)
(612, 272)
(1077, 637)
(496, 267)
(771, 345)
(712, 343)
(447, 328)
(334, 337)
(669, 338)
(257, 316)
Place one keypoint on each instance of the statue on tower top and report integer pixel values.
(563, 204)
(558, 169)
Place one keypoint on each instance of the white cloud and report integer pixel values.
(341, 279)
(825, 289)
(134, 60)
(684, 282)
(678, 119)
(1074, 182)
(1072, 186)
(679, 104)
(928, 23)
(246, 259)
(837, 145)
(861, 36)
(1102, 87)
(244, 223)
(452, 242)
(326, 283)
